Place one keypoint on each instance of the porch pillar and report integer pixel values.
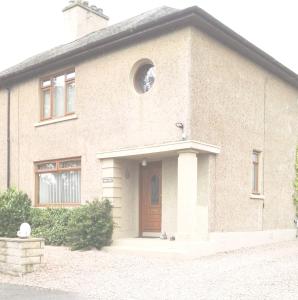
(187, 194)
(111, 188)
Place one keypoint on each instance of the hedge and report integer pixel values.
(15, 209)
(50, 224)
(88, 226)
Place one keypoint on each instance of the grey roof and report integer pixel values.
(152, 22)
(87, 40)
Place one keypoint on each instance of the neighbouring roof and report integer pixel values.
(149, 23)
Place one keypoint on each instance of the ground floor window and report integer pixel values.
(58, 182)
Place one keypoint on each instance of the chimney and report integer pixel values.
(81, 19)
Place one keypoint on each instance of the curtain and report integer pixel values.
(60, 188)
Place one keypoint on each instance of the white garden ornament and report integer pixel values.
(25, 231)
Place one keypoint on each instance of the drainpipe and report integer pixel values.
(8, 139)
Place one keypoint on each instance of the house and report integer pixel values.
(188, 128)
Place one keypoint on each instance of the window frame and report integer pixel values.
(51, 89)
(256, 172)
(55, 170)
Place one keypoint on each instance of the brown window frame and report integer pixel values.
(51, 87)
(57, 169)
(256, 172)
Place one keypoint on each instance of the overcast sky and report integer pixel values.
(28, 27)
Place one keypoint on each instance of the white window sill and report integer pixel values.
(48, 122)
(256, 196)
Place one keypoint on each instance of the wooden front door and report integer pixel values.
(150, 198)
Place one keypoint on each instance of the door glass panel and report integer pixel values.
(154, 190)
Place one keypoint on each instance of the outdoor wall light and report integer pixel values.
(181, 126)
(144, 162)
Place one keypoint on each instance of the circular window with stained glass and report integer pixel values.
(144, 78)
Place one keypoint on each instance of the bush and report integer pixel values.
(50, 224)
(91, 225)
(87, 226)
(14, 210)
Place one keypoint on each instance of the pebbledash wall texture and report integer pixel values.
(240, 106)
(222, 97)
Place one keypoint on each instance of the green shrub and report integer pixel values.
(87, 226)
(14, 210)
(50, 224)
(91, 225)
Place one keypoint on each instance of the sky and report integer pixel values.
(28, 27)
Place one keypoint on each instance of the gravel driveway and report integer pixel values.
(267, 272)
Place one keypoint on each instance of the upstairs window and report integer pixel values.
(255, 172)
(58, 96)
(143, 75)
(144, 78)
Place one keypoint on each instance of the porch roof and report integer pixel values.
(164, 149)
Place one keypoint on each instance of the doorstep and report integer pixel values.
(156, 247)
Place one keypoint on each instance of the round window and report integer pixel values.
(144, 78)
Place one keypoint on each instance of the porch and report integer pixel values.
(167, 188)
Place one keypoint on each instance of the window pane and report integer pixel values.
(154, 190)
(70, 187)
(46, 166)
(144, 78)
(70, 164)
(46, 104)
(70, 97)
(47, 188)
(59, 90)
(70, 75)
(60, 188)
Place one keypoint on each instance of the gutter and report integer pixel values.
(192, 16)
(8, 139)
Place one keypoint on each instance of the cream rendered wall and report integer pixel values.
(241, 107)
(3, 138)
(129, 221)
(169, 196)
(205, 218)
(281, 140)
(110, 113)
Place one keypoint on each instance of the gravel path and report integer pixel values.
(267, 272)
